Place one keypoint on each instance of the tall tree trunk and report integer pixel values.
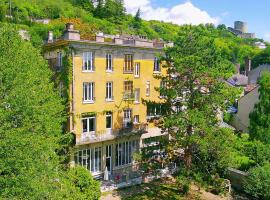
(188, 157)
(188, 150)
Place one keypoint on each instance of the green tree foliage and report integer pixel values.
(112, 10)
(194, 91)
(137, 23)
(258, 182)
(214, 153)
(259, 128)
(85, 4)
(262, 58)
(79, 184)
(31, 118)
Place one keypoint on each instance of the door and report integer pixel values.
(109, 158)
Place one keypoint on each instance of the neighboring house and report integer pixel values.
(256, 73)
(260, 45)
(245, 107)
(238, 80)
(109, 77)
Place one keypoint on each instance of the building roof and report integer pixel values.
(238, 80)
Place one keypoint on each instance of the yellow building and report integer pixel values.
(109, 76)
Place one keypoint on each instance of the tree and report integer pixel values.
(31, 120)
(85, 4)
(112, 10)
(262, 57)
(80, 185)
(194, 91)
(137, 22)
(258, 182)
(259, 128)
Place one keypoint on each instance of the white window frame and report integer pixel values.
(124, 152)
(136, 119)
(88, 125)
(109, 114)
(127, 117)
(109, 90)
(59, 61)
(88, 62)
(88, 92)
(156, 65)
(147, 92)
(87, 158)
(109, 62)
(163, 84)
(61, 87)
(137, 95)
(137, 69)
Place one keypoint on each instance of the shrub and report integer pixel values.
(80, 184)
(258, 182)
(183, 183)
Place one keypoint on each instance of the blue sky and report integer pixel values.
(255, 13)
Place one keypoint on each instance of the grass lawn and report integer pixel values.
(156, 190)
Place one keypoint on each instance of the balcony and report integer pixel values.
(109, 134)
(128, 96)
(131, 128)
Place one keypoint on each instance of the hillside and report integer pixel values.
(109, 17)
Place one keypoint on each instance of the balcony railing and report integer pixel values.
(128, 96)
(109, 134)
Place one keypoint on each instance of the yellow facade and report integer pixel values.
(100, 77)
(145, 56)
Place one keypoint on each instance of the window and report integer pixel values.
(128, 67)
(61, 86)
(137, 95)
(156, 65)
(128, 89)
(109, 63)
(155, 110)
(88, 61)
(137, 70)
(109, 91)
(90, 159)
(59, 61)
(108, 120)
(127, 118)
(88, 92)
(147, 88)
(124, 152)
(136, 119)
(161, 89)
(89, 124)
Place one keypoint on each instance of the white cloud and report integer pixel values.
(185, 13)
(266, 37)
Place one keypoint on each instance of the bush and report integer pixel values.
(80, 184)
(258, 182)
(183, 183)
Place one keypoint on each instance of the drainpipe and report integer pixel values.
(72, 93)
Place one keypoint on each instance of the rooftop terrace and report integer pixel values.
(126, 40)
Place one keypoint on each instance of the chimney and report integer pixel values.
(69, 26)
(247, 66)
(70, 33)
(50, 37)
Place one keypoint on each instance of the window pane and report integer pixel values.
(84, 122)
(92, 124)
(108, 121)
